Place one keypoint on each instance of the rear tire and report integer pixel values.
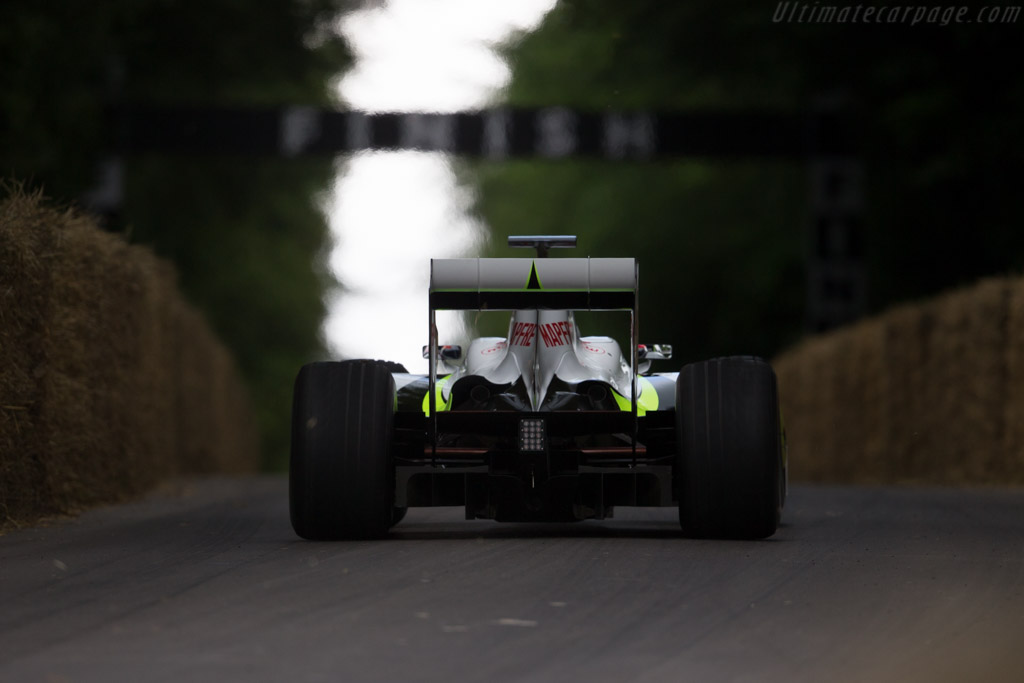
(341, 482)
(729, 476)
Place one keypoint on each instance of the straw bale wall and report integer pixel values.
(929, 393)
(109, 381)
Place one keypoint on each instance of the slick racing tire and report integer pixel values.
(729, 469)
(341, 478)
(398, 514)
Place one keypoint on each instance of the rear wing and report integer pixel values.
(505, 284)
(508, 284)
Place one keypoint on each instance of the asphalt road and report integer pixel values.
(208, 583)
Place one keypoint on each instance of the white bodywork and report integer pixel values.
(543, 340)
(540, 346)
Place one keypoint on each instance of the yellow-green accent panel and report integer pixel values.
(648, 399)
(439, 400)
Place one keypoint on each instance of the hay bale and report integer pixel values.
(861, 398)
(806, 392)
(108, 380)
(906, 332)
(158, 283)
(216, 427)
(966, 385)
(26, 244)
(199, 389)
(831, 397)
(927, 393)
(97, 421)
(1011, 469)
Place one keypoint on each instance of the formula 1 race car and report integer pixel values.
(543, 424)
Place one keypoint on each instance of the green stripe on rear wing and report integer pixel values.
(518, 283)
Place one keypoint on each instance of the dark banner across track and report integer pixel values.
(825, 140)
(549, 132)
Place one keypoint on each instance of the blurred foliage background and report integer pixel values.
(246, 234)
(722, 244)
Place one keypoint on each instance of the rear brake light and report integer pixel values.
(532, 435)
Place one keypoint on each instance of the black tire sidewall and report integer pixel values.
(729, 461)
(341, 472)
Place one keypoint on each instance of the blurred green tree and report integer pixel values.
(246, 235)
(722, 243)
